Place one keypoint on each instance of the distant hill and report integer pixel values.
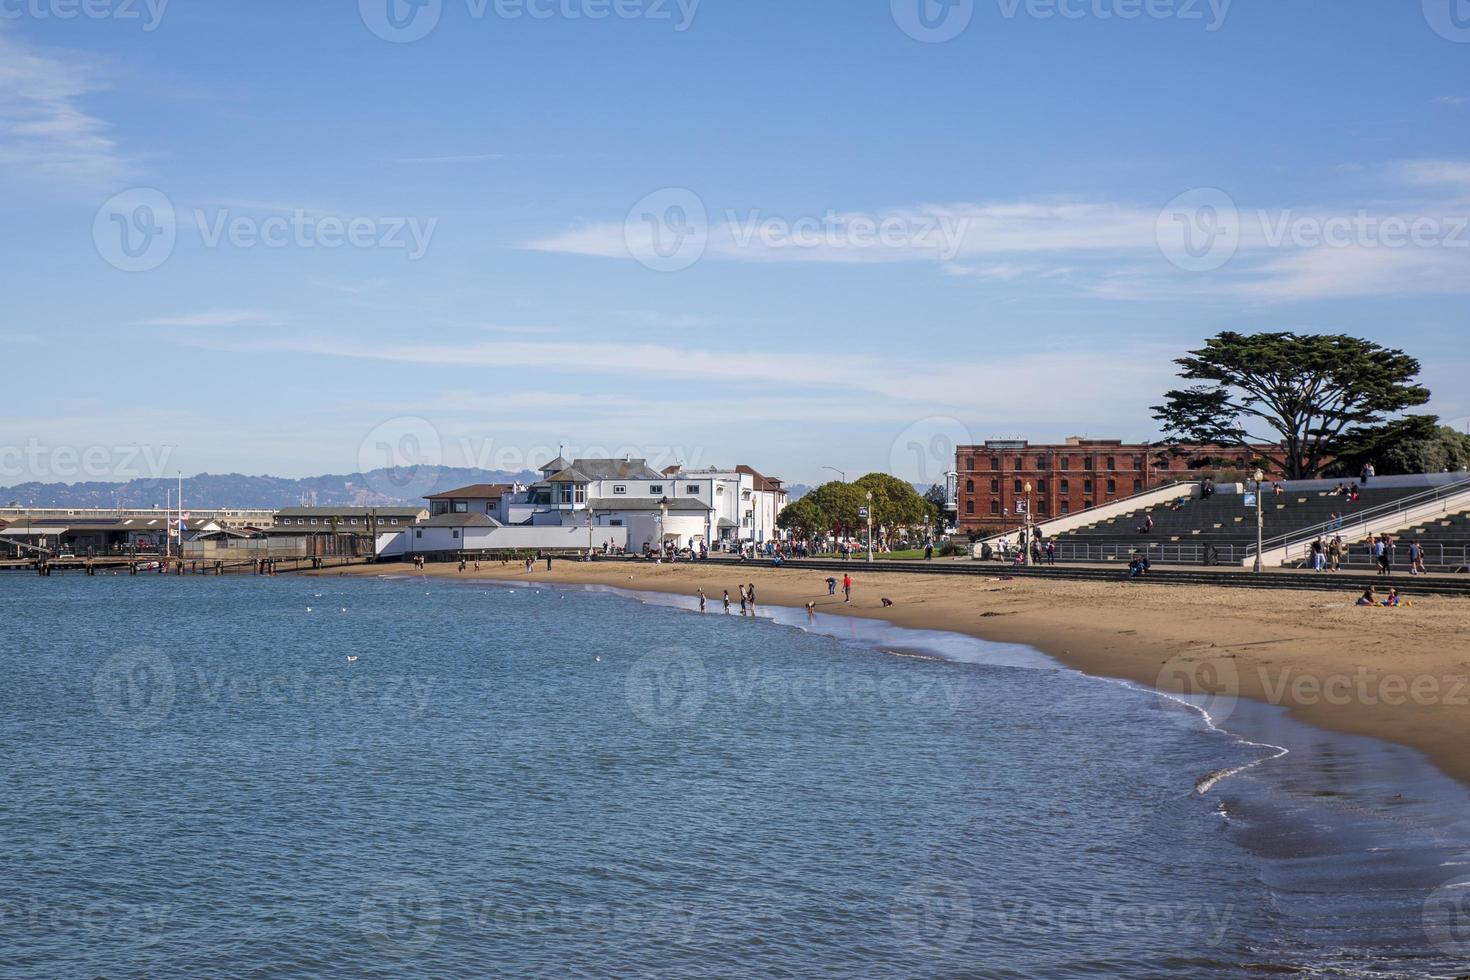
(381, 487)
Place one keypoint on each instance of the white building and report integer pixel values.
(746, 503)
(612, 503)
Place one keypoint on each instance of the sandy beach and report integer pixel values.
(1396, 674)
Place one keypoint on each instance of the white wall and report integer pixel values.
(555, 538)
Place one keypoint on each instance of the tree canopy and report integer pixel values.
(1416, 445)
(1308, 398)
(896, 505)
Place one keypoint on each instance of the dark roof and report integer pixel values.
(555, 466)
(569, 475)
(617, 469)
(764, 483)
(461, 520)
(649, 503)
(478, 491)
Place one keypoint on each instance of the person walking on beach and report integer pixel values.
(1319, 556)
(1334, 554)
(1416, 558)
(831, 585)
(846, 588)
(727, 602)
(1375, 548)
(701, 600)
(1051, 551)
(750, 591)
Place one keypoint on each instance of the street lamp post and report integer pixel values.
(1026, 527)
(870, 527)
(1260, 518)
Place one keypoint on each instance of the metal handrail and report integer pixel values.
(1450, 556)
(1107, 503)
(1177, 552)
(1361, 517)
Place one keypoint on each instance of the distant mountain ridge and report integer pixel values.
(213, 491)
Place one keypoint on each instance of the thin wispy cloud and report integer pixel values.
(1453, 100)
(45, 132)
(1115, 250)
(452, 158)
(1106, 380)
(219, 318)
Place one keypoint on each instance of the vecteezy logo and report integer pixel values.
(401, 458)
(1447, 918)
(667, 231)
(401, 21)
(1199, 231)
(1211, 684)
(925, 451)
(1449, 18)
(135, 689)
(402, 917)
(667, 688)
(933, 918)
(933, 21)
(135, 231)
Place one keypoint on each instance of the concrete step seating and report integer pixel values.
(1180, 536)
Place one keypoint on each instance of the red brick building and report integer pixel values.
(1077, 475)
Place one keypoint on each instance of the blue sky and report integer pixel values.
(789, 235)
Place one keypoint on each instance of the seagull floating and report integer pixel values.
(352, 660)
(308, 609)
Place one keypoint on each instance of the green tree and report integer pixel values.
(1413, 445)
(1309, 397)
(804, 518)
(896, 504)
(840, 503)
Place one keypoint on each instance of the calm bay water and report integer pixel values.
(515, 780)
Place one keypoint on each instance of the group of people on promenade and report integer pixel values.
(1038, 550)
(1328, 554)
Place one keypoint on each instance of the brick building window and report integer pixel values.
(1066, 462)
(1138, 486)
(969, 486)
(995, 506)
(1041, 486)
(995, 486)
(1020, 463)
(969, 506)
(1041, 507)
(1112, 486)
(1087, 462)
(1066, 507)
(1138, 462)
(1065, 487)
(1087, 486)
(969, 462)
(1112, 462)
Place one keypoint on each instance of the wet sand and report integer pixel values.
(1397, 674)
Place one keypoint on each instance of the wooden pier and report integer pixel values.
(136, 565)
